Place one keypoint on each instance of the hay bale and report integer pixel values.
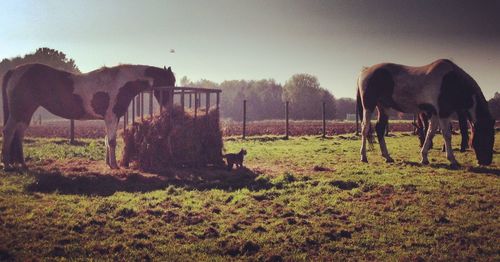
(156, 144)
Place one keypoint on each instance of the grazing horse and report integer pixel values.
(422, 126)
(101, 94)
(438, 89)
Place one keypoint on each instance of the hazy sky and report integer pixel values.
(243, 39)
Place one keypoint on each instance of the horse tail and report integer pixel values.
(359, 105)
(5, 100)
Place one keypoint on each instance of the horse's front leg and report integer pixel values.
(111, 128)
(428, 139)
(446, 131)
(365, 130)
(464, 130)
(380, 128)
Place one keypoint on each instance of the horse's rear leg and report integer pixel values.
(9, 130)
(428, 139)
(18, 144)
(380, 128)
(446, 131)
(365, 132)
(111, 128)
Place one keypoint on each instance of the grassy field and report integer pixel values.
(303, 199)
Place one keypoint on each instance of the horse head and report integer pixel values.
(483, 138)
(161, 77)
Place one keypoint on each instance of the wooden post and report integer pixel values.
(324, 119)
(287, 123)
(244, 118)
(161, 100)
(182, 100)
(133, 110)
(207, 101)
(218, 100)
(195, 105)
(190, 100)
(151, 104)
(142, 107)
(72, 131)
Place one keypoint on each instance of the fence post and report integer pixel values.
(244, 118)
(218, 100)
(72, 131)
(287, 123)
(207, 101)
(324, 119)
(182, 100)
(142, 107)
(195, 105)
(133, 110)
(151, 103)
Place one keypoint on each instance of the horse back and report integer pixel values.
(36, 85)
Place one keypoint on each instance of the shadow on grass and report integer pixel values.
(474, 169)
(92, 183)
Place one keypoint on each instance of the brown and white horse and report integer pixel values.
(438, 89)
(101, 94)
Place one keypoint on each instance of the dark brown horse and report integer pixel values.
(101, 94)
(438, 89)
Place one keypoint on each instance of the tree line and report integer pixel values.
(265, 97)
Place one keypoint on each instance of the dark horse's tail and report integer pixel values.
(16, 145)
(6, 78)
(359, 106)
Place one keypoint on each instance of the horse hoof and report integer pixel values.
(389, 160)
(455, 165)
(8, 168)
(364, 160)
(424, 162)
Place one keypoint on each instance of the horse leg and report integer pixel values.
(9, 131)
(111, 128)
(18, 140)
(462, 122)
(446, 131)
(365, 132)
(380, 128)
(428, 139)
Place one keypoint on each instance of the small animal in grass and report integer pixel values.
(235, 158)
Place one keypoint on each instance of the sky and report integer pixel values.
(255, 39)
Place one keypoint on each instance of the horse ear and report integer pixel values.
(164, 68)
(169, 69)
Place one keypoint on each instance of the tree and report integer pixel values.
(305, 95)
(494, 105)
(44, 55)
(345, 105)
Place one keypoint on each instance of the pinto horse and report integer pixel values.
(438, 89)
(101, 94)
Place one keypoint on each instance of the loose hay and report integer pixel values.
(158, 143)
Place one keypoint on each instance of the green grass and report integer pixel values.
(282, 206)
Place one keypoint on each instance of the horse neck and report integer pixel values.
(481, 106)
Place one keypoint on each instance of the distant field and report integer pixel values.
(305, 199)
(95, 129)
